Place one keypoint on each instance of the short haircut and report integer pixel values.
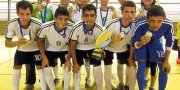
(156, 10)
(24, 5)
(61, 11)
(89, 7)
(153, 3)
(128, 4)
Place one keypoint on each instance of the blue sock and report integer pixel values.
(140, 74)
(162, 78)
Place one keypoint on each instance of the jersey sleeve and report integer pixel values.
(169, 37)
(10, 30)
(74, 34)
(42, 32)
(137, 34)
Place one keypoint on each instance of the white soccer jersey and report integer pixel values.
(55, 40)
(116, 26)
(14, 28)
(143, 10)
(119, 13)
(85, 40)
(53, 8)
(76, 15)
(104, 17)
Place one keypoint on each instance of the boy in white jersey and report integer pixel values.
(82, 44)
(25, 28)
(56, 34)
(105, 13)
(121, 37)
(62, 3)
(76, 16)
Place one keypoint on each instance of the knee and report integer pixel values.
(17, 67)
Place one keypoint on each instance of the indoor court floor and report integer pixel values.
(6, 64)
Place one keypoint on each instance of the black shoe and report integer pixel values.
(56, 81)
(47, 87)
(146, 83)
(29, 87)
(120, 87)
(126, 87)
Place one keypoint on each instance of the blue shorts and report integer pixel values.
(53, 56)
(86, 54)
(22, 57)
(156, 53)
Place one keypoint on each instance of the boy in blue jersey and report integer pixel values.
(148, 45)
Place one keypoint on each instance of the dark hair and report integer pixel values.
(153, 3)
(24, 5)
(156, 10)
(89, 7)
(61, 11)
(128, 4)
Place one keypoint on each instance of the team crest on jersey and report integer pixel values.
(86, 40)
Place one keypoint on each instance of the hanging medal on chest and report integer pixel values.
(26, 36)
(103, 19)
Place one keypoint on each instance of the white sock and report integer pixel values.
(49, 78)
(77, 78)
(56, 71)
(98, 77)
(120, 72)
(42, 79)
(132, 77)
(67, 78)
(88, 68)
(107, 76)
(127, 70)
(16, 78)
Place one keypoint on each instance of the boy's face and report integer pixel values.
(89, 17)
(155, 22)
(128, 13)
(24, 16)
(61, 21)
(104, 2)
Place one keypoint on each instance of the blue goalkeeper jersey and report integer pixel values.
(154, 48)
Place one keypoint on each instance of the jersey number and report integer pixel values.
(160, 53)
(58, 43)
(38, 57)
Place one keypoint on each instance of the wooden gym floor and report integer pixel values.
(6, 64)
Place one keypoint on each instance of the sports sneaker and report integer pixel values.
(56, 81)
(29, 87)
(87, 83)
(47, 87)
(146, 82)
(120, 86)
(126, 87)
(150, 88)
